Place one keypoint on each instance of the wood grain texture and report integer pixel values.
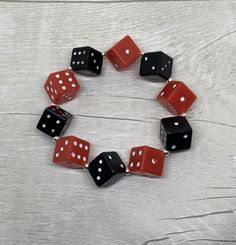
(93, 1)
(194, 202)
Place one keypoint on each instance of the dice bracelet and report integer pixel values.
(107, 167)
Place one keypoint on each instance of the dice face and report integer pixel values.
(54, 121)
(87, 61)
(106, 168)
(175, 133)
(177, 97)
(123, 53)
(71, 151)
(146, 160)
(61, 86)
(155, 65)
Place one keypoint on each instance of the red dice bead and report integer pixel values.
(71, 151)
(177, 97)
(146, 160)
(123, 53)
(61, 86)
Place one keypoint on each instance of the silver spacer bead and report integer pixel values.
(166, 152)
(55, 139)
(127, 172)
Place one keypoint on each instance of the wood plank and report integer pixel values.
(194, 202)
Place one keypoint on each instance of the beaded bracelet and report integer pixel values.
(71, 151)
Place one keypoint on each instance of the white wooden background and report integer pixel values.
(195, 201)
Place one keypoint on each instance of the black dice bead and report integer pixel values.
(106, 168)
(86, 60)
(156, 65)
(175, 133)
(54, 121)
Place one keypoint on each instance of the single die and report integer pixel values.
(123, 53)
(177, 97)
(106, 168)
(146, 160)
(175, 133)
(71, 151)
(54, 121)
(61, 86)
(156, 65)
(86, 60)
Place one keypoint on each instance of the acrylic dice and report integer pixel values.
(86, 60)
(54, 121)
(71, 151)
(156, 66)
(175, 133)
(106, 168)
(177, 97)
(146, 160)
(123, 53)
(61, 86)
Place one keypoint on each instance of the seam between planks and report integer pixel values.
(103, 2)
(118, 118)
